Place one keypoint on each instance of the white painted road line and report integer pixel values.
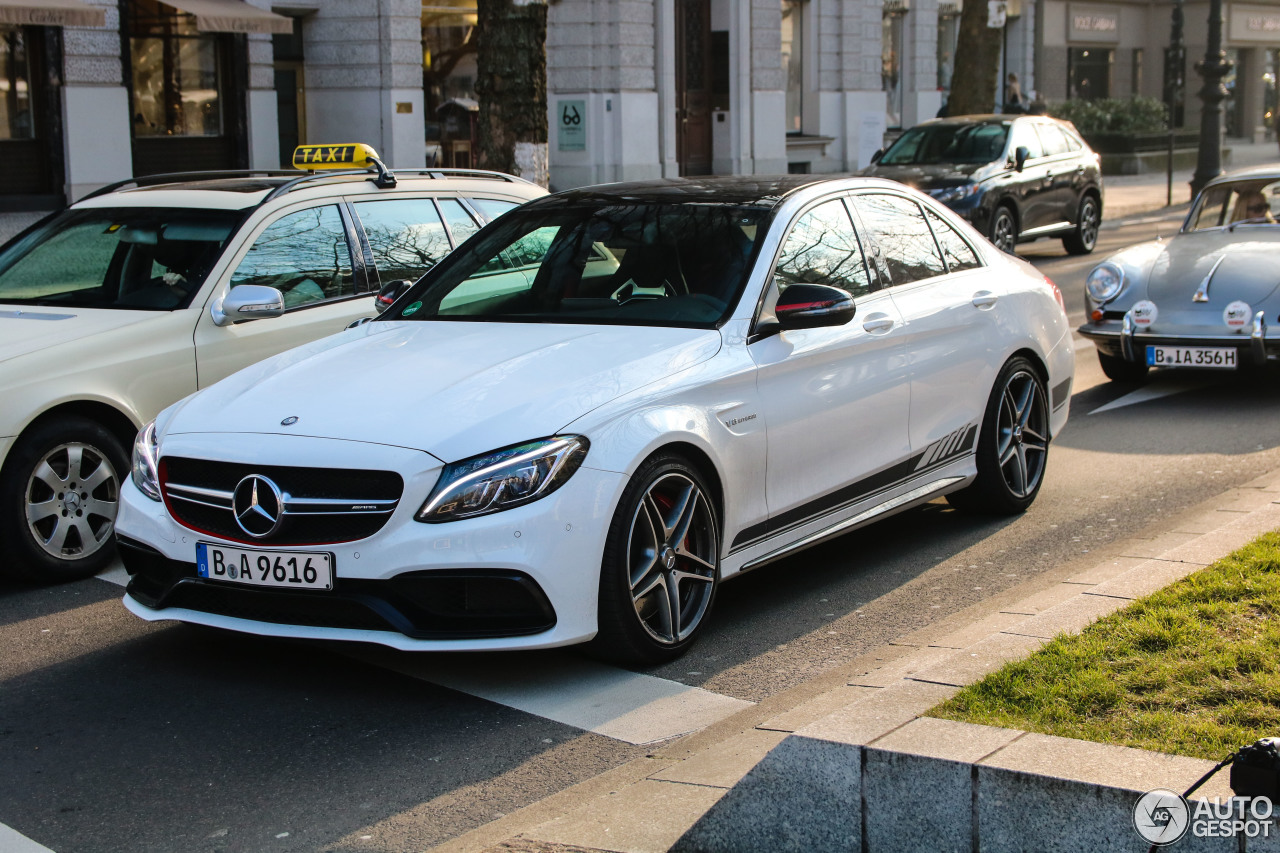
(617, 703)
(1149, 392)
(12, 841)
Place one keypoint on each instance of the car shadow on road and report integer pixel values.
(20, 602)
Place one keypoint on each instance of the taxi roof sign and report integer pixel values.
(351, 155)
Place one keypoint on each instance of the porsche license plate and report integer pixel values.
(1222, 358)
(281, 569)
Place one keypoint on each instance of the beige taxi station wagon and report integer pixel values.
(150, 289)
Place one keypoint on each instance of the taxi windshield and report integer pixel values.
(150, 259)
(947, 143)
(1252, 202)
(609, 262)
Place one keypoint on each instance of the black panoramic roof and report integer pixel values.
(757, 190)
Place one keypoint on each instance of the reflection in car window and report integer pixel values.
(665, 264)
(304, 255)
(492, 208)
(903, 235)
(150, 259)
(1024, 135)
(823, 249)
(1239, 202)
(460, 223)
(947, 143)
(958, 254)
(1052, 140)
(406, 236)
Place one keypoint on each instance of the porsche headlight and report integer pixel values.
(504, 479)
(1104, 282)
(146, 448)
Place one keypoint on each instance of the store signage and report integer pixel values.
(1093, 24)
(571, 124)
(1253, 23)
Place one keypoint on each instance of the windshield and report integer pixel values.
(947, 143)
(596, 262)
(135, 258)
(1237, 203)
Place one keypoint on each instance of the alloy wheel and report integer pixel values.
(1022, 442)
(1003, 231)
(672, 558)
(72, 497)
(1089, 222)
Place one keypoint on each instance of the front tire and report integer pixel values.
(1124, 372)
(1083, 240)
(59, 494)
(661, 565)
(1004, 229)
(1013, 446)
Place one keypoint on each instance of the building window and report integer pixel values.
(1089, 70)
(17, 112)
(891, 43)
(948, 35)
(176, 74)
(793, 63)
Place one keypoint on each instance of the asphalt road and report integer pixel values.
(119, 735)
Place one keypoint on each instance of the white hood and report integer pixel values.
(24, 330)
(452, 389)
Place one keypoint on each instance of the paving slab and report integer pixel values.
(1148, 548)
(816, 708)
(724, 764)
(648, 817)
(1106, 570)
(896, 670)
(1246, 500)
(1205, 522)
(1151, 576)
(986, 656)
(1070, 617)
(980, 630)
(875, 716)
(1042, 600)
(529, 845)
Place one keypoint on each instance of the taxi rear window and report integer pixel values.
(128, 258)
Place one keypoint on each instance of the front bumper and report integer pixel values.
(1123, 339)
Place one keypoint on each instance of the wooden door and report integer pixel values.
(693, 86)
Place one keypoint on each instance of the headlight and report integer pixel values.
(146, 448)
(1104, 282)
(954, 194)
(504, 479)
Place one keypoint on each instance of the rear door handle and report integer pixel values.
(984, 299)
(878, 323)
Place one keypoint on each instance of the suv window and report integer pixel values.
(492, 208)
(957, 252)
(823, 249)
(304, 255)
(460, 223)
(904, 237)
(405, 234)
(1024, 134)
(1053, 140)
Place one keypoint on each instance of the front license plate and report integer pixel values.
(283, 569)
(1223, 358)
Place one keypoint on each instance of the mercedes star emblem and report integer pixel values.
(258, 505)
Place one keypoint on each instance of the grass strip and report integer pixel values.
(1193, 669)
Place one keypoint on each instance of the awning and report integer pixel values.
(231, 16)
(55, 13)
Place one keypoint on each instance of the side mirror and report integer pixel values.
(810, 306)
(1020, 156)
(390, 292)
(875, 158)
(247, 302)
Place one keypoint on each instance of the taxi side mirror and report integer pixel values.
(390, 292)
(247, 302)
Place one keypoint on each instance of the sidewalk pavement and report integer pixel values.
(1127, 195)
(796, 771)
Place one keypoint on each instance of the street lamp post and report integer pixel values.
(1214, 68)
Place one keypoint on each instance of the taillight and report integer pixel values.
(1057, 294)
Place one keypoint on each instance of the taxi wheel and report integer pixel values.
(1118, 369)
(1013, 445)
(1085, 237)
(661, 565)
(59, 493)
(1004, 229)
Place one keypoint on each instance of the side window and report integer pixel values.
(492, 208)
(1073, 144)
(304, 255)
(958, 254)
(1024, 134)
(461, 225)
(822, 248)
(1052, 139)
(406, 236)
(903, 235)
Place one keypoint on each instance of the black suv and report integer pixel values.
(1016, 178)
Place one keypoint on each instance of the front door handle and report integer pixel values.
(878, 324)
(984, 299)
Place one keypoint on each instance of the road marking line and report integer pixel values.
(12, 841)
(617, 703)
(1149, 392)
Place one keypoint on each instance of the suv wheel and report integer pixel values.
(1085, 237)
(1004, 229)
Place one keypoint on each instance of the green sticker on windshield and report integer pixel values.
(411, 308)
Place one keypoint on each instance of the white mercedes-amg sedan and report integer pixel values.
(598, 409)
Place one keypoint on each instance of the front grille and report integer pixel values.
(321, 505)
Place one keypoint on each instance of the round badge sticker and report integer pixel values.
(1161, 817)
(1237, 315)
(1144, 313)
(411, 308)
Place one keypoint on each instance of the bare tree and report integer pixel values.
(511, 83)
(977, 65)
